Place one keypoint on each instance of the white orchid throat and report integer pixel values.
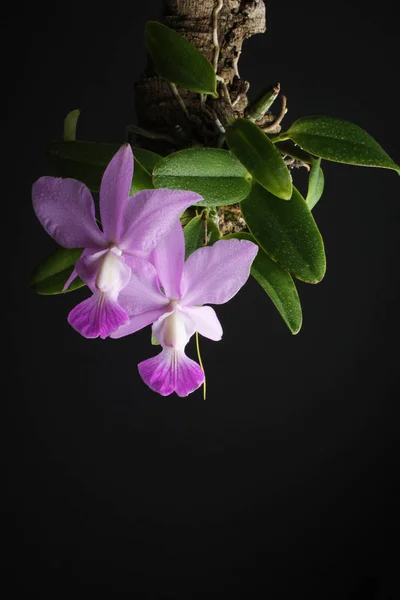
(174, 330)
(108, 278)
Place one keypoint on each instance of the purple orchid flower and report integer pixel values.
(170, 293)
(132, 226)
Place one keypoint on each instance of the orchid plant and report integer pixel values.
(185, 229)
(135, 268)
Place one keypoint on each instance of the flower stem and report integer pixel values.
(201, 365)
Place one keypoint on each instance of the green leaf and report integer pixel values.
(87, 161)
(259, 107)
(260, 157)
(96, 154)
(339, 141)
(154, 340)
(178, 61)
(147, 159)
(287, 232)
(187, 216)
(277, 283)
(70, 123)
(213, 173)
(200, 231)
(315, 185)
(141, 179)
(51, 276)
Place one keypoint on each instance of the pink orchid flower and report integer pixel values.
(170, 293)
(132, 226)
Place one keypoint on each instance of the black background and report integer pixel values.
(283, 482)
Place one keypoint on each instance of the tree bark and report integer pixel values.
(164, 125)
(158, 111)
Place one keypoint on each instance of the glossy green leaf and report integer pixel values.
(87, 161)
(70, 123)
(339, 141)
(260, 157)
(201, 231)
(213, 173)
(51, 276)
(178, 61)
(277, 283)
(287, 232)
(315, 184)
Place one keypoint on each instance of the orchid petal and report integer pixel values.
(65, 208)
(214, 274)
(174, 329)
(114, 192)
(88, 252)
(137, 322)
(98, 316)
(205, 321)
(142, 293)
(89, 265)
(70, 279)
(168, 258)
(171, 371)
(150, 214)
(104, 271)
